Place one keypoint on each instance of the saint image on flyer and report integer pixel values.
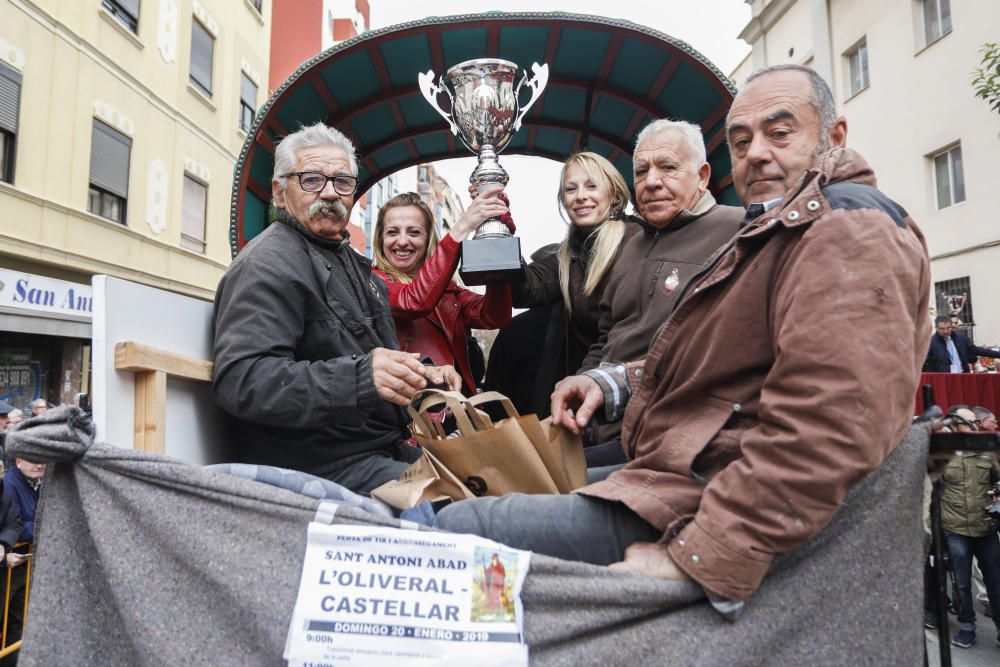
(493, 575)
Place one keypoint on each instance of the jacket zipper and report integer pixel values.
(656, 237)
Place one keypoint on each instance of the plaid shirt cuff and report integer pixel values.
(728, 609)
(612, 380)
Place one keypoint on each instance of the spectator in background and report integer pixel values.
(949, 352)
(14, 418)
(985, 419)
(974, 350)
(968, 530)
(986, 422)
(5, 410)
(38, 406)
(10, 528)
(22, 483)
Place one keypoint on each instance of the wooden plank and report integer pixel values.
(151, 411)
(138, 358)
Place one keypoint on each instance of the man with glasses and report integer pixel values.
(306, 359)
(985, 419)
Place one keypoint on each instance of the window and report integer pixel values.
(126, 11)
(10, 104)
(257, 4)
(937, 19)
(193, 215)
(110, 151)
(202, 45)
(857, 65)
(949, 180)
(954, 297)
(248, 102)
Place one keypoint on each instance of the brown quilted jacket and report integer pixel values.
(771, 390)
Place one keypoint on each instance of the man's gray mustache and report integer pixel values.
(323, 207)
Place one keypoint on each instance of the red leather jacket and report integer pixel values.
(432, 312)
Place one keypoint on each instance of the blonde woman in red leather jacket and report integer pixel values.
(430, 310)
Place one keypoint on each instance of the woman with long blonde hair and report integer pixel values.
(430, 310)
(593, 196)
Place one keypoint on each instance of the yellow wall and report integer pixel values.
(78, 63)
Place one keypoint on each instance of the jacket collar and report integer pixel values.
(700, 208)
(805, 202)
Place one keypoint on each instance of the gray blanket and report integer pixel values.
(145, 560)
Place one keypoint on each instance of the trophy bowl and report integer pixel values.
(485, 113)
(484, 102)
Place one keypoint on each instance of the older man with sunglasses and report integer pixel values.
(306, 359)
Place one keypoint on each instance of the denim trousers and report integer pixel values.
(986, 551)
(571, 526)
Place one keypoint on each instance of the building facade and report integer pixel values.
(440, 197)
(120, 123)
(900, 71)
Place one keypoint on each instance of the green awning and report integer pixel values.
(607, 79)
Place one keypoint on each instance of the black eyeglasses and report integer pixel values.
(314, 181)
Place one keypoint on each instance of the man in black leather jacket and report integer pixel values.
(306, 359)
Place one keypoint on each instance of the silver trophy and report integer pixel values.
(485, 115)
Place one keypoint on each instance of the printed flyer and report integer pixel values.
(372, 595)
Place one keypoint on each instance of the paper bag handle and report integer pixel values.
(495, 396)
(455, 402)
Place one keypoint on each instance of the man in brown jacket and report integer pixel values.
(759, 405)
(682, 225)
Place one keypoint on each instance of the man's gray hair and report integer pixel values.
(821, 98)
(318, 134)
(691, 133)
(982, 413)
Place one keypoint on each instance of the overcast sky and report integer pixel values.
(710, 26)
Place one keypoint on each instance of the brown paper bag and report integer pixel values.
(570, 452)
(490, 459)
(559, 449)
(426, 479)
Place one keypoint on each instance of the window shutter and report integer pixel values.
(109, 159)
(248, 92)
(130, 6)
(193, 214)
(10, 97)
(201, 55)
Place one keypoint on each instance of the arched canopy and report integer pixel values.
(607, 79)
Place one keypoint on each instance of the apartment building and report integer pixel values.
(120, 123)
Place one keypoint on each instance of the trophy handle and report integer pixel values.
(537, 85)
(431, 91)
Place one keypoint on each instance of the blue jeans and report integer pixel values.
(986, 550)
(570, 526)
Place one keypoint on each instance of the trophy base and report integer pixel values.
(489, 260)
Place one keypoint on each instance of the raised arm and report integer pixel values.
(410, 301)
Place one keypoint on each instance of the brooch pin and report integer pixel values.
(672, 282)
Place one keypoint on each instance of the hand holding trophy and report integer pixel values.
(485, 115)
